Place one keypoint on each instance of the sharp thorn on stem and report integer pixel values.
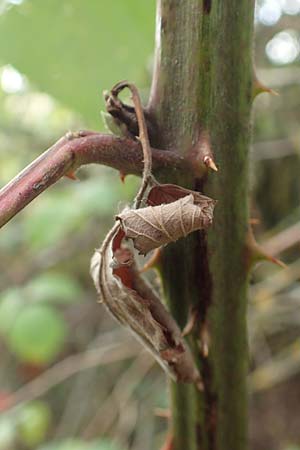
(72, 176)
(209, 162)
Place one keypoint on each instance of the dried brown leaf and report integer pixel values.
(130, 299)
(168, 193)
(154, 226)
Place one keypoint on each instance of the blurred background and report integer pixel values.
(70, 378)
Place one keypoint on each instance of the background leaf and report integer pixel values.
(10, 306)
(54, 287)
(73, 53)
(33, 423)
(37, 334)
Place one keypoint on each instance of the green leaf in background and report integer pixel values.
(51, 218)
(34, 421)
(97, 195)
(10, 306)
(73, 50)
(38, 334)
(59, 212)
(53, 287)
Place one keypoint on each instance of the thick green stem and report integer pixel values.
(229, 125)
(174, 106)
(174, 97)
(202, 90)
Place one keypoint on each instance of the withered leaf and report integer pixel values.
(154, 226)
(131, 300)
(167, 193)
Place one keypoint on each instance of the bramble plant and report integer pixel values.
(190, 145)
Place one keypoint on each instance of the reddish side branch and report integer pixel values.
(71, 152)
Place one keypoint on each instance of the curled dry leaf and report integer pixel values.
(130, 299)
(177, 213)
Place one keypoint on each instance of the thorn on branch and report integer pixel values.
(260, 88)
(71, 175)
(204, 339)
(255, 253)
(201, 155)
(163, 413)
(209, 162)
(193, 318)
(85, 147)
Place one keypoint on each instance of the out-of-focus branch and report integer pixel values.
(118, 398)
(276, 370)
(279, 148)
(71, 366)
(283, 240)
(273, 284)
(71, 152)
(279, 77)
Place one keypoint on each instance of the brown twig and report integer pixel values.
(71, 152)
(70, 366)
(124, 116)
(283, 240)
(119, 397)
(143, 137)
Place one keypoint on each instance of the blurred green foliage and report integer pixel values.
(66, 53)
(73, 50)
(37, 335)
(33, 423)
